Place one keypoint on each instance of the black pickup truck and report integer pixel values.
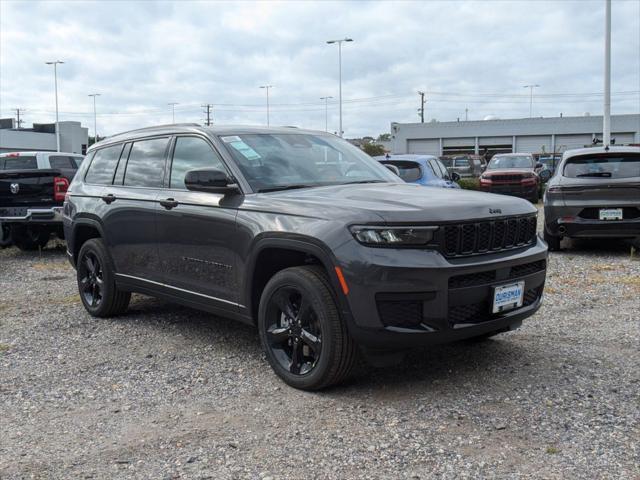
(32, 190)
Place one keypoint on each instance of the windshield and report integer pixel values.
(510, 162)
(624, 165)
(276, 161)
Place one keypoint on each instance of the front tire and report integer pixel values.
(305, 340)
(96, 281)
(552, 240)
(5, 235)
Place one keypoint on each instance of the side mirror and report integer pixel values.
(539, 166)
(393, 168)
(211, 181)
(545, 175)
(455, 176)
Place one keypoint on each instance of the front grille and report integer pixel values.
(400, 313)
(628, 213)
(481, 311)
(494, 235)
(489, 276)
(506, 178)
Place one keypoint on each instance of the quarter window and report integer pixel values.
(103, 165)
(145, 167)
(192, 153)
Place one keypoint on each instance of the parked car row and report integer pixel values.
(326, 251)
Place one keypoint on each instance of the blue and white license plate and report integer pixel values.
(508, 297)
(610, 214)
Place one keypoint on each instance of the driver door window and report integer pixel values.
(192, 153)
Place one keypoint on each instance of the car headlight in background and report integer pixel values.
(393, 236)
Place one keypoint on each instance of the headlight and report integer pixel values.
(393, 236)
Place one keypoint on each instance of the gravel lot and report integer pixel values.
(169, 392)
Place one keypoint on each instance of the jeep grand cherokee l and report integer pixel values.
(514, 174)
(303, 235)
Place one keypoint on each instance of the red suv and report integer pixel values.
(514, 174)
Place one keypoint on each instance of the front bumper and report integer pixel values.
(401, 298)
(516, 190)
(31, 215)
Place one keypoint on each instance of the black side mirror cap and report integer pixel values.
(539, 165)
(455, 176)
(210, 181)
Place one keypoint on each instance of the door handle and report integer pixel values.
(108, 198)
(169, 203)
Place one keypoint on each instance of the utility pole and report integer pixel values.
(55, 78)
(531, 87)
(421, 109)
(18, 121)
(606, 118)
(267, 87)
(466, 114)
(339, 42)
(173, 111)
(95, 120)
(326, 112)
(208, 112)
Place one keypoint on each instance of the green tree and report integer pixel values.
(384, 137)
(373, 149)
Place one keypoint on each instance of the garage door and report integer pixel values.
(623, 138)
(489, 141)
(567, 142)
(459, 142)
(426, 147)
(533, 144)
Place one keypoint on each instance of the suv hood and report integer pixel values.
(510, 171)
(391, 202)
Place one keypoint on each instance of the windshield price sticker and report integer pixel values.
(246, 151)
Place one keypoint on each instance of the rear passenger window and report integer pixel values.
(192, 153)
(62, 162)
(20, 163)
(103, 165)
(145, 167)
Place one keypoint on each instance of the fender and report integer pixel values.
(300, 243)
(79, 222)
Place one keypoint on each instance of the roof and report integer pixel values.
(513, 155)
(33, 152)
(212, 130)
(595, 150)
(403, 156)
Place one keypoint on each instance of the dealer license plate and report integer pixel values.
(507, 297)
(610, 214)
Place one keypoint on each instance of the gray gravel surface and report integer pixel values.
(169, 392)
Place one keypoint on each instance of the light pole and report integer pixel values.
(173, 111)
(267, 87)
(531, 87)
(339, 42)
(326, 112)
(95, 121)
(55, 78)
(606, 117)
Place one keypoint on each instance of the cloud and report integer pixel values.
(142, 55)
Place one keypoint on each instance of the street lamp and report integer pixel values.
(339, 42)
(173, 111)
(267, 87)
(95, 121)
(55, 77)
(326, 112)
(531, 87)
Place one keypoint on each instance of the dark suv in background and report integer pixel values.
(304, 236)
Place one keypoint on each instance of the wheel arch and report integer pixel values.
(271, 254)
(84, 228)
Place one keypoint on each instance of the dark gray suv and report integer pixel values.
(303, 235)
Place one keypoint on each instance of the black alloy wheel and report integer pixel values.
(99, 293)
(304, 337)
(293, 332)
(91, 283)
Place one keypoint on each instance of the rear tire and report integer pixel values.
(30, 237)
(96, 281)
(5, 235)
(305, 339)
(552, 240)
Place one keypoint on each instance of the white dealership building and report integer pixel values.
(42, 137)
(526, 135)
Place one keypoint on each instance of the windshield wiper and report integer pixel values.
(364, 181)
(594, 174)
(276, 188)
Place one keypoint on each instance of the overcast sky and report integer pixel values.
(465, 54)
